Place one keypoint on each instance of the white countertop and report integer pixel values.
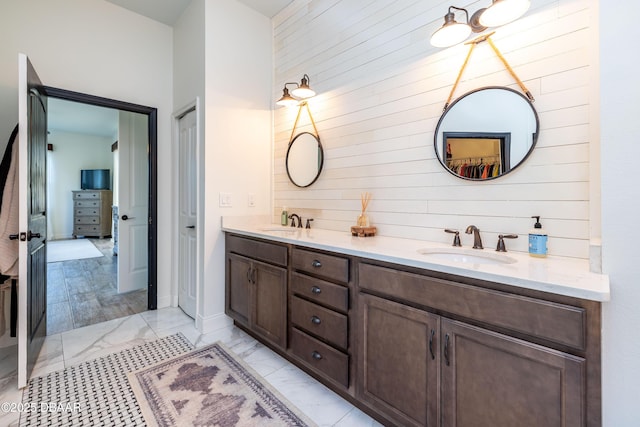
(558, 275)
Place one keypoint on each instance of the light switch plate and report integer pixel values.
(251, 200)
(225, 200)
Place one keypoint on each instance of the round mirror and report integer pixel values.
(486, 133)
(304, 159)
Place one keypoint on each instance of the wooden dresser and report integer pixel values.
(92, 213)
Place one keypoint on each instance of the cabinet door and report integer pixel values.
(269, 314)
(238, 288)
(490, 379)
(397, 366)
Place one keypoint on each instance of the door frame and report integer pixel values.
(152, 114)
(176, 116)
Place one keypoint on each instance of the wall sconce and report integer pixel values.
(500, 12)
(301, 92)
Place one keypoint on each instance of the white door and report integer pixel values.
(32, 262)
(133, 201)
(188, 209)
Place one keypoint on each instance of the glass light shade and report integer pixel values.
(502, 12)
(287, 100)
(450, 34)
(303, 92)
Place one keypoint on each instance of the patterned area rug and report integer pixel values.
(210, 387)
(95, 393)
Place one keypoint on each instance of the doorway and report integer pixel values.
(137, 117)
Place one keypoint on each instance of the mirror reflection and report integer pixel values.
(486, 133)
(304, 159)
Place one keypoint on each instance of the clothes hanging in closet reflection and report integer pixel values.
(475, 170)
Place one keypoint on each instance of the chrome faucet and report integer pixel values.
(293, 217)
(477, 241)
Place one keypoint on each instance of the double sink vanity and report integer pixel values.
(417, 333)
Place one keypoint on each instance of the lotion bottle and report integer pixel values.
(538, 239)
(283, 216)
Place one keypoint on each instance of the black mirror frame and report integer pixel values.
(321, 151)
(533, 145)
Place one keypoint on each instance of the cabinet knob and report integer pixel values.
(316, 290)
(315, 320)
(316, 264)
(316, 355)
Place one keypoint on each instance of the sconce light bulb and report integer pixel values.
(502, 12)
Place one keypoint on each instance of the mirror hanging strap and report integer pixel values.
(455, 85)
(473, 43)
(510, 70)
(313, 123)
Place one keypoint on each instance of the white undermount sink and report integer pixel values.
(282, 228)
(466, 256)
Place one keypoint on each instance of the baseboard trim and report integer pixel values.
(212, 323)
(165, 301)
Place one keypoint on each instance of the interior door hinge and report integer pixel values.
(150, 221)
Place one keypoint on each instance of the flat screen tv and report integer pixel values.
(95, 179)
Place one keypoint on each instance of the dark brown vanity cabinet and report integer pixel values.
(256, 287)
(319, 305)
(491, 379)
(414, 347)
(419, 364)
(399, 358)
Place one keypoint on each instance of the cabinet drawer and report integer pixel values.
(322, 357)
(328, 266)
(86, 203)
(332, 295)
(86, 211)
(87, 220)
(86, 229)
(559, 323)
(86, 195)
(257, 249)
(320, 321)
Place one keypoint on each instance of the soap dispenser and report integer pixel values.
(283, 216)
(538, 239)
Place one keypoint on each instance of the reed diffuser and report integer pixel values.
(363, 218)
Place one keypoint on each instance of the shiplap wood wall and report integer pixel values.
(381, 89)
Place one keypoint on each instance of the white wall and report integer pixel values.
(619, 91)
(237, 146)
(95, 47)
(382, 88)
(71, 153)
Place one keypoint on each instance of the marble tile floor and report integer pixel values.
(84, 291)
(75, 346)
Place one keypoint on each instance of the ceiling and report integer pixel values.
(74, 117)
(69, 116)
(168, 11)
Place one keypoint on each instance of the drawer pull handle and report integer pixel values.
(316, 355)
(316, 290)
(249, 275)
(315, 320)
(446, 349)
(316, 264)
(433, 356)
